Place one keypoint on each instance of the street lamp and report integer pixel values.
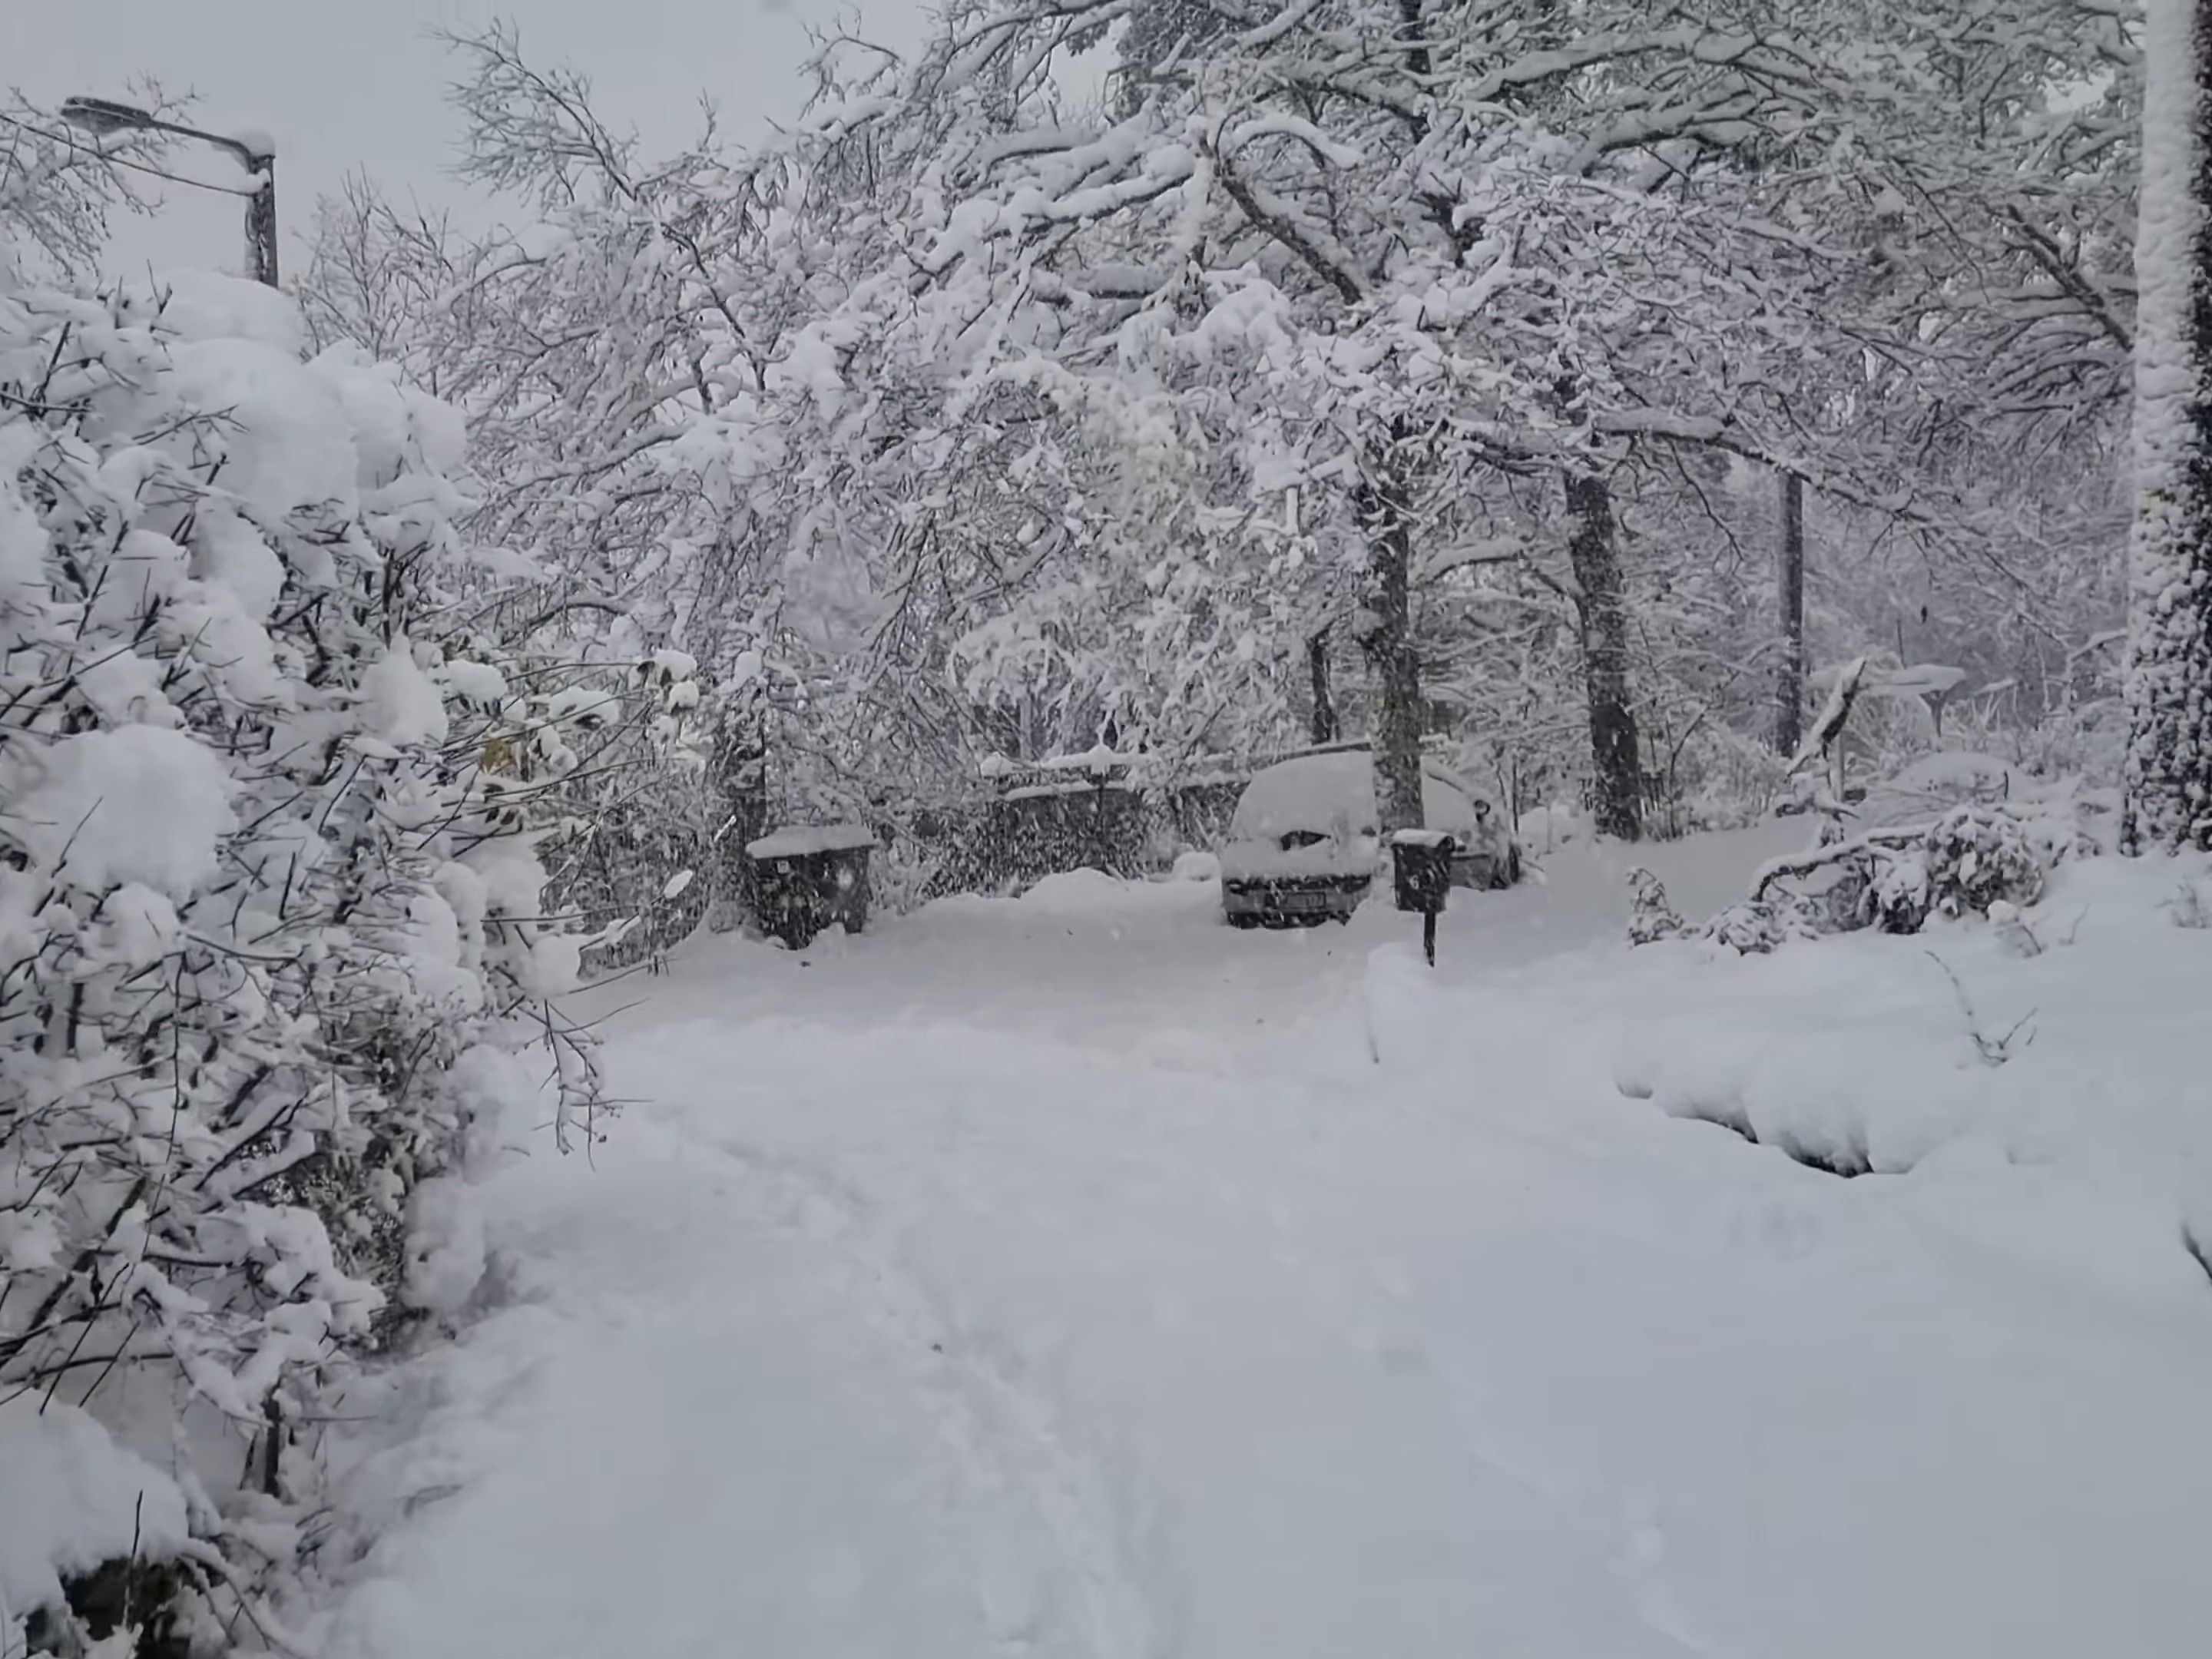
(254, 152)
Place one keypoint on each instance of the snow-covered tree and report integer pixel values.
(1540, 242)
(979, 416)
(58, 186)
(2169, 764)
(271, 925)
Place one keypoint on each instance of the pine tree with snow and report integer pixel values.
(2169, 760)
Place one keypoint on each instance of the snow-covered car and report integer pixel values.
(1305, 840)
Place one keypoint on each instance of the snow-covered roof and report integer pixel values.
(800, 840)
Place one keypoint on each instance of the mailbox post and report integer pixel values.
(1421, 862)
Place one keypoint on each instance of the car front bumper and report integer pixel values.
(1291, 902)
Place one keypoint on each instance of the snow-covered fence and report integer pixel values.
(641, 879)
(1041, 829)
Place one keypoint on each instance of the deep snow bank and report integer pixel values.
(2041, 1080)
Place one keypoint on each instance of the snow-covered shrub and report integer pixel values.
(1651, 916)
(1755, 926)
(1976, 857)
(634, 857)
(270, 903)
(1893, 890)
(904, 875)
(1750, 927)
(1974, 860)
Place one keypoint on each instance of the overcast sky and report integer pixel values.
(347, 85)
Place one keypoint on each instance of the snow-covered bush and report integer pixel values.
(903, 877)
(632, 856)
(1652, 916)
(1971, 862)
(1973, 857)
(268, 901)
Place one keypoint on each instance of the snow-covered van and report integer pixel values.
(1306, 839)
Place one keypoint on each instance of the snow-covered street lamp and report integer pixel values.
(256, 153)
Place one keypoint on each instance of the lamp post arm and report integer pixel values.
(260, 202)
(105, 115)
(253, 161)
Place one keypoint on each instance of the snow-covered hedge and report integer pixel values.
(269, 908)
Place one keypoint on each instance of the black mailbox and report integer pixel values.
(1421, 863)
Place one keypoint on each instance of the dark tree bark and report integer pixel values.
(1325, 727)
(1789, 686)
(1386, 633)
(2169, 761)
(737, 767)
(1594, 552)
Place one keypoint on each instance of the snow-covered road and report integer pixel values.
(1072, 1280)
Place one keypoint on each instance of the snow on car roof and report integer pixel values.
(1335, 794)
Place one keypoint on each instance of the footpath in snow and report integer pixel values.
(1069, 1276)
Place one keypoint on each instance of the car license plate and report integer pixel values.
(1304, 901)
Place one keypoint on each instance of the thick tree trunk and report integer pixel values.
(1385, 634)
(1594, 552)
(738, 769)
(1789, 582)
(2169, 761)
(1326, 727)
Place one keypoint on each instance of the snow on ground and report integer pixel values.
(1073, 1275)
(1146, 970)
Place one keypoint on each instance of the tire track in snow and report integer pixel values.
(1007, 1433)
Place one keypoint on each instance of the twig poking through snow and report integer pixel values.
(1994, 1051)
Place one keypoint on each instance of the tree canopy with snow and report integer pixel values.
(1170, 376)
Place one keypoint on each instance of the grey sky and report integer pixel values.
(357, 84)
